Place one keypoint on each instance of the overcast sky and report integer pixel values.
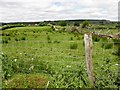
(40, 10)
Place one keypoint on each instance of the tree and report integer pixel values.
(76, 24)
(62, 23)
(85, 24)
(42, 24)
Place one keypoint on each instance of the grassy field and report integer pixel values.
(38, 57)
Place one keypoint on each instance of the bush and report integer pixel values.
(74, 46)
(4, 41)
(76, 24)
(115, 52)
(42, 24)
(23, 38)
(49, 39)
(9, 38)
(16, 39)
(62, 23)
(56, 41)
(27, 81)
(6, 67)
(116, 41)
(11, 26)
(71, 38)
(104, 39)
(107, 45)
(53, 28)
(85, 24)
(117, 44)
(33, 31)
(78, 38)
(96, 38)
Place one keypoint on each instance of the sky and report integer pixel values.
(44, 10)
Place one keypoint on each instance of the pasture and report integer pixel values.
(38, 57)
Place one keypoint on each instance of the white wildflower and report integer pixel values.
(116, 64)
(32, 58)
(68, 66)
(17, 66)
(15, 60)
(31, 68)
(20, 53)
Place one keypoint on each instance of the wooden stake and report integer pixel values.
(88, 51)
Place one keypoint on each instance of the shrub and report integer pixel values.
(85, 24)
(74, 46)
(104, 39)
(56, 41)
(78, 38)
(96, 38)
(16, 39)
(49, 39)
(33, 31)
(42, 24)
(4, 41)
(6, 67)
(11, 26)
(117, 44)
(76, 24)
(71, 38)
(27, 81)
(9, 38)
(53, 28)
(116, 41)
(62, 23)
(107, 45)
(7, 34)
(23, 38)
(83, 43)
(35, 36)
(115, 52)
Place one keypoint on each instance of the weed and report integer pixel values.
(33, 31)
(74, 46)
(48, 37)
(78, 38)
(16, 39)
(71, 38)
(63, 62)
(23, 38)
(107, 45)
(96, 38)
(56, 41)
(28, 81)
(5, 41)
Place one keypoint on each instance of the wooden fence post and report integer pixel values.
(88, 54)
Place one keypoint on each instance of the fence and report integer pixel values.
(0, 63)
(64, 61)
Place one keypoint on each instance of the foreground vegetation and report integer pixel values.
(39, 57)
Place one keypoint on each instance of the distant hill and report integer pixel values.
(93, 21)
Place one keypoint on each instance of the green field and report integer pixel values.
(38, 57)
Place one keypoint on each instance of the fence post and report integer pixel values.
(88, 54)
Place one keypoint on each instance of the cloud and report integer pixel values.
(39, 10)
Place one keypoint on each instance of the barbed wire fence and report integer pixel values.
(32, 58)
